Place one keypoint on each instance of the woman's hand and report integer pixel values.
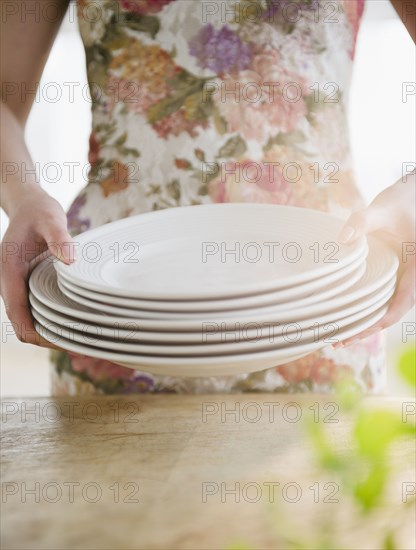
(37, 226)
(391, 217)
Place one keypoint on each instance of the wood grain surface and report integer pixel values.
(169, 471)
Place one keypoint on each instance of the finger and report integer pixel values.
(60, 243)
(403, 299)
(361, 336)
(361, 222)
(14, 293)
(42, 342)
(22, 323)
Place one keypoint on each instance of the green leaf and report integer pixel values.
(129, 151)
(61, 360)
(291, 138)
(98, 59)
(174, 102)
(200, 155)
(183, 80)
(325, 453)
(196, 108)
(368, 492)
(376, 430)
(323, 100)
(143, 23)
(174, 189)
(407, 366)
(114, 38)
(234, 147)
(389, 543)
(122, 139)
(349, 393)
(219, 122)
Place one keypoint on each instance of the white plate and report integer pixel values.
(130, 331)
(309, 293)
(266, 338)
(184, 253)
(213, 365)
(382, 265)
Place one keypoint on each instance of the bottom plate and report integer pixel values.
(218, 365)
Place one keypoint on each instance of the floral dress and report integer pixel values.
(199, 101)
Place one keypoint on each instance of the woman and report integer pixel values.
(188, 97)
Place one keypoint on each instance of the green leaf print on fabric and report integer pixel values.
(234, 147)
(174, 189)
(200, 155)
(142, 23)
(122, 139)
(219, 121)
(319, 100)
(186, 85)
(106, 148)
(290, 138)
(98, 58)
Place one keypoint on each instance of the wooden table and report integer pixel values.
(169, 471)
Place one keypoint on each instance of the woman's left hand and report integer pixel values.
(391, 217)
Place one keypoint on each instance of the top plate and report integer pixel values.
(209, 252)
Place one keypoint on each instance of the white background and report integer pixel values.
(382, 135)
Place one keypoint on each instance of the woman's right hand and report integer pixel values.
(37, 225)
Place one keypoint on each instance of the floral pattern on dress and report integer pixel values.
(193, 106)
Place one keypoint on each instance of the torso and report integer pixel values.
(219, 101)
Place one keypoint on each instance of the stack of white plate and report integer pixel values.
(212, 290)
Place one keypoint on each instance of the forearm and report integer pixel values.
(18, 180)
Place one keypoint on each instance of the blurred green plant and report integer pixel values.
(364, 473)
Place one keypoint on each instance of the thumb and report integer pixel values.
(363, 221)
(60, 244)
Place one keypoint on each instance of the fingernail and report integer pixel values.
(338, 345)
(72, 258)
(67, 258)
(346, 234)
(62, 258)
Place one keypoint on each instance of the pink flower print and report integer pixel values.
(142, 7)
(296, 371)
(263, 100)
(176, 123)
(99, 369)
(354, 11)
(137, 97)
(248, 181)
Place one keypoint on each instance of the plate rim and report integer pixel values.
(207, 362)
(216, 305)
(169, 326)
(158, 336)
(65, 271)
(262, 343)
